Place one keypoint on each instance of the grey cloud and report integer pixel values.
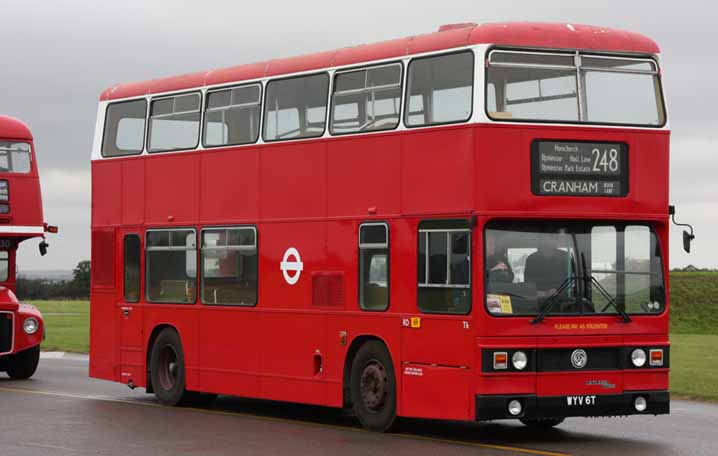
(58, 56)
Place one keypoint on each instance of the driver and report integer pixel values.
(549, 266)
(498, 268)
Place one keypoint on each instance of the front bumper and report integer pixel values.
(496, 407)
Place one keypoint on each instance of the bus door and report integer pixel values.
(130, 313)
(436, 340)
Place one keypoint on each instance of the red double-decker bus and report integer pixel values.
(21, 218)
(469, 225)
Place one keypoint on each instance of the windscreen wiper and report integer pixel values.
(611, 301)
(551, 301)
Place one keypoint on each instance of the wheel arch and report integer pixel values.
(354, 347)
(148, 351)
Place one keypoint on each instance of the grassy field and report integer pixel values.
(694, 332)
(67, 324)
(693, 366)
(694, 302)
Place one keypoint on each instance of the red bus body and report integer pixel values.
(298, 342)
(22, 220)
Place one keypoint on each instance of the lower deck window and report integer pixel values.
(171, 266)
(374, 266)
(444, 266)
(229, 266)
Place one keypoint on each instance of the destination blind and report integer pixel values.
(565, 168)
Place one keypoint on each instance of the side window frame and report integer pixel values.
(201, 270)
(366, 69)
(373, 246)
(407, 91)
(266, 113)
(206, 109)
(148, 126)
(148, 249)
(448, 227)
(138, 284)
(105, 129)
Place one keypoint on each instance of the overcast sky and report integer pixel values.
(57, 56)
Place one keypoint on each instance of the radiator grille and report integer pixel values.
(6, 332)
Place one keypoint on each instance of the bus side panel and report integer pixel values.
(363, 174)
(106, 197)
(224, 195)
(431, 180)
(291, 334)
(133, 204)
(103, 318)
(25, 200)
(425, 387)
(103, 337)
(293, 181)
(229, 350)
(172, 188)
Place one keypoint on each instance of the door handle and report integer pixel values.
(126, 311)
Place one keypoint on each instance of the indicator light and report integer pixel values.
(656, 357)
(501, 360)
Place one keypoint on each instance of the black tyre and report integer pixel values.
(542, 423)
(167, 368)
(373, 387)
(23, 365)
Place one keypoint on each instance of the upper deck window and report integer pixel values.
(296, 108)
(174, 123)
(366, 100)
(573, 88)
(232, 116)
(15, 157)
(440, 89)
(124, 132)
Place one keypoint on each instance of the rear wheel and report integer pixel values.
(23, 365)
(373, 387)
(167, 368)
(542, 423)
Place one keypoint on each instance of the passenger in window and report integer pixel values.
(549, 266)
(498, 268)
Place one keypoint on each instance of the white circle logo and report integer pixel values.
(579, 358)
(291, 266)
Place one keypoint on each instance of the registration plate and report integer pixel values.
(580, 400)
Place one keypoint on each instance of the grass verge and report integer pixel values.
(67, 325)
(693, 366)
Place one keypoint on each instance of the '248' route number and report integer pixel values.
(605, 161)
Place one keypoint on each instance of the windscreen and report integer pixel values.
(574, 88)
(15, 157)
(572, 268)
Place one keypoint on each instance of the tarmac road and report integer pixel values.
(60, 411)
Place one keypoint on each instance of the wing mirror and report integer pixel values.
(687, 237)
(43, 248)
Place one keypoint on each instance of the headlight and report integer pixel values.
(519, 360)
(638, 357)
(30, 325)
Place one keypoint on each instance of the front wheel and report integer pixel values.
(542, 423)
(23, 365)
(373, 387)
(167, 368)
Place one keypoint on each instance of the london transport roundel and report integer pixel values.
(291, 266)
